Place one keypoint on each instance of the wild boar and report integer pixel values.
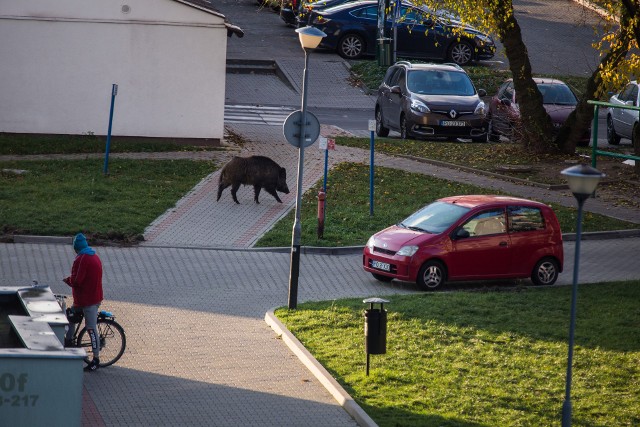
(259, 171)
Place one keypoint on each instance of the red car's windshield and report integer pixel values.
(434, 218)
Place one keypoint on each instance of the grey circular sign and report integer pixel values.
(292, 125)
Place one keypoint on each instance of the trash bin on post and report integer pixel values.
(375, 328)
(384, 52)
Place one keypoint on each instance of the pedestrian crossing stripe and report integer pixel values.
(256, 115)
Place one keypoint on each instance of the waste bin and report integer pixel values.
(375, 328)
(384, 52)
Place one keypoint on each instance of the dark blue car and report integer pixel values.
(352, 31)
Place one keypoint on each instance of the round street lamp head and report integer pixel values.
(310, 37)
(582, 179)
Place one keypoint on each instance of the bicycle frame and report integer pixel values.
(110, 334)
(102, 315)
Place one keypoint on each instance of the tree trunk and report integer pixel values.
(580, 119)
(536, 127)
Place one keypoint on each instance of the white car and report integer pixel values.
(622, 121)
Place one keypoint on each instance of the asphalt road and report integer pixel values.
(558, 33)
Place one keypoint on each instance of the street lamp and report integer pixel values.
(310, 38)
(582, 181)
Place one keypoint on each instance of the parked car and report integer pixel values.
(472, 237)
(352, 31)
(430, 100)
(503, 112)
(621, 122)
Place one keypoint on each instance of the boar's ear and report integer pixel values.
(283, 173)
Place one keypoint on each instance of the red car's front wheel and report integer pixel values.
(432, 275)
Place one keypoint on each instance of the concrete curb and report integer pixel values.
(325, 378)
(43, 239)
(602, 235)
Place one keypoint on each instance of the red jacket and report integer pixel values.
(86, 280)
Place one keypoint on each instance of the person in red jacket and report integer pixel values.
(86, 288)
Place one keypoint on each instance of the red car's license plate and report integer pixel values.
(381, 265)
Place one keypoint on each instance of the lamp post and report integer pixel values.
(310, 38)
(582, 180)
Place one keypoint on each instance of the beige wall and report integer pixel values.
(57, 72)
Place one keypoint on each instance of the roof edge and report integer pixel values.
(206, 6)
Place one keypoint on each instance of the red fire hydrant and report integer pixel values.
(321, 200)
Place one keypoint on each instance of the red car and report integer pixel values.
(503, 114)
(469, 237)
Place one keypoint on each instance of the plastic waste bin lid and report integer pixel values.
(375, 300)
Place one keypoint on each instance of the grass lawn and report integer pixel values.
(63, 197)
(485, 358)
(397, 194)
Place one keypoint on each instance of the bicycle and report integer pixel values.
(112, 337)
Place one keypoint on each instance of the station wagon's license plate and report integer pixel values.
(453, 123)
(381, 265)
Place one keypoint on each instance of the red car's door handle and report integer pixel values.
(503, 243)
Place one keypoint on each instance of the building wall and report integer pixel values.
(59, 65)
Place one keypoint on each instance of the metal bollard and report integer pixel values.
(321, 201)
(375, 328)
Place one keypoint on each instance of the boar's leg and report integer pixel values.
(274, 194)
(234, 190)
(256, 192)
(221, 188)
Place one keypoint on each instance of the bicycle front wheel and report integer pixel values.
(112, 342)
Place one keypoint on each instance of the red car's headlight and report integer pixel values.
(407, 250)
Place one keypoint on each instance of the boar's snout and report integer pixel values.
(282, 187)
(282, 181)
